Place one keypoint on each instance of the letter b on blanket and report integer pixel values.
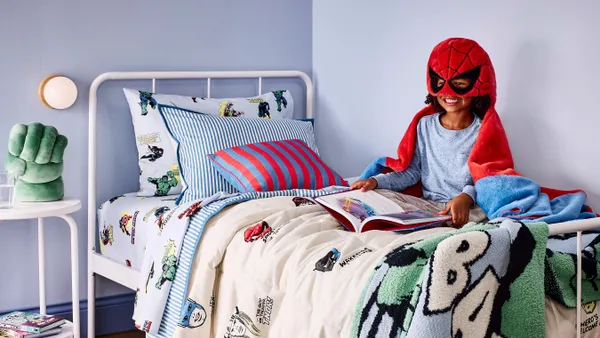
(472, 314)
(35, 155)
(449, 270)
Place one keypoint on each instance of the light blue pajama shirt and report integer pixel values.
(439, 161)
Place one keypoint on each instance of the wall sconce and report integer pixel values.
(57, 92)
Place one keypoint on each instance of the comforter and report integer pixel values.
(281, 270)
(277, 265)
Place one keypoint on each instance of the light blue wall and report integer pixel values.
(82, 39)
(369, 63)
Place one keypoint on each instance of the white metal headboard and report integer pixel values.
(164, 75)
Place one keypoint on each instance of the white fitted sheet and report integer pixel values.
(130, 219)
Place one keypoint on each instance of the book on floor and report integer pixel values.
(30, 321)
(360, 211)
(8, 333)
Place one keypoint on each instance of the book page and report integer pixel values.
(357, 206)
(413, 217)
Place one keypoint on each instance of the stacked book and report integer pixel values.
(20, 324)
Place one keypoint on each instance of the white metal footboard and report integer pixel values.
(570, 227)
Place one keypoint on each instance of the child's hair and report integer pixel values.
(479, 106)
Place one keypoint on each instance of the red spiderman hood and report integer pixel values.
(456, 57)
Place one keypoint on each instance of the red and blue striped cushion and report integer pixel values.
(274, 165)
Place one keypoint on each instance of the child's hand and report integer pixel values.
(364, 185)
(459, 207)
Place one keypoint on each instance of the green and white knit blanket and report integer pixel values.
(484, 280)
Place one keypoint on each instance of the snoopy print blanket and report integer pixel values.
(280, 266)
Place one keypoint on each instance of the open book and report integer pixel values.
(363, 211)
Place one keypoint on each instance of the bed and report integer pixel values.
(237, 262)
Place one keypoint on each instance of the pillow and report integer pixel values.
(159, 172)
(274, 165)
(197, 135)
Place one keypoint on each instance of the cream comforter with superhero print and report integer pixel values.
(283, 267)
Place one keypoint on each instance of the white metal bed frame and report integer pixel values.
(100, 265)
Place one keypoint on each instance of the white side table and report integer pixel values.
(41, 210)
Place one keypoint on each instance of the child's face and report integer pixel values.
(455, 104)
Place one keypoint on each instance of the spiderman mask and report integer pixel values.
(460, 58)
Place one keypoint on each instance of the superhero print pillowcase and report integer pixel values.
(157, 156)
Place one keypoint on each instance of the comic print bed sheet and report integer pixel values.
(276, 265)
(125, 223)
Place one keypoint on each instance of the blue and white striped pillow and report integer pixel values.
(197, 135)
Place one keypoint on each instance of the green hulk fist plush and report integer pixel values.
(35, 154)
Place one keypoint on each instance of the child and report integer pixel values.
(443, 145)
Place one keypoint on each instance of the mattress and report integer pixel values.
(126, 221)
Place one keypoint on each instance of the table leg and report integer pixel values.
(41, 266)
(74, 273)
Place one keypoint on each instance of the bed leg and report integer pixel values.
(579, 248)
(91, 305)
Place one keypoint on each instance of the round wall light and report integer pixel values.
(57, 92)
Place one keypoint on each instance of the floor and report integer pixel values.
(128, 334)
